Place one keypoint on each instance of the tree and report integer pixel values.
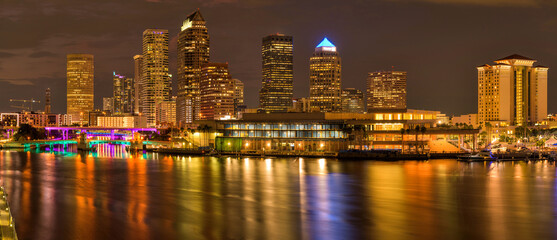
(28, 132)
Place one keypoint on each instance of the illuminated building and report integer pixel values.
(352, 100)
(138, 84)
(93, 116)
(217, 92)
(193, 52)
(300, 105)
(276, 91)
(156, 82)
(166, 113)
(47, 107)
(325, 78)
(122, 121)
(386, 91)
(80, 82)
(33, 119)
(468, 119)
(238, 97)
(108, 104)
(512, 90)
(123, 94)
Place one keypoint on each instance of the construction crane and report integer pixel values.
(26, 104)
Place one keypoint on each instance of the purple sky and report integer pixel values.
(439, 42)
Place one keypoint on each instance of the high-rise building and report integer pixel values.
(80, 91)
(156, 81)
(512, 90)
(166, 113)
(217, 92)
(276, 90)
(238, 96)
(123, 94)
(325, 78)
(108, 104)
(47, 101)
(193, 52)
(386, 91)
(352, 100)
(138, 84)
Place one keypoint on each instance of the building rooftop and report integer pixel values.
(325, 43)
(515, 56)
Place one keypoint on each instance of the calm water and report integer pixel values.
(150, 196)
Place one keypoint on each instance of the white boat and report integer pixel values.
(484, 155)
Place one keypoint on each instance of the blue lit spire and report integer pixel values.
(325, 43)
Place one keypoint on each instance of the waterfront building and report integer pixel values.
(512, 90)
(277, 70)
(352, 100)
(47, 107)
(386, 91)
(123, 94)
(138, 84)
(166, 113)
(322, 133)
(93, 116)
(80, 83)
(122, 121)
(217, 92)
(156, 81)
(193, 53)
(468, 119)
(442, 118)
(33, 119)
(325, 78)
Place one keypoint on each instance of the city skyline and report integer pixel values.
(424, 87)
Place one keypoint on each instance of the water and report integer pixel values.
(114, 195)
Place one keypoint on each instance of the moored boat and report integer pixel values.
(484, 155)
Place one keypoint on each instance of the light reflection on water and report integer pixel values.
(112, 194)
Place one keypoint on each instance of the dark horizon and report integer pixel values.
(439, 43)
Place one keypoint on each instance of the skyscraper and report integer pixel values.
(47, 101)
(352, 100)
(138, 84)
(108, 104)
(217, 92)
(80, 91)
(123, 94)
(276, 91)
(156, 82)
(386, 91)
(238, 96)
(512, 90)
(193, 52)
(325, 78)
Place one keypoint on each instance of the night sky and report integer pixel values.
(439, 42)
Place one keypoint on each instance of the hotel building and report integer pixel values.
(386, 91)
(277, 66)
(217, 92)
(80, 87)
(325, 78)
(512, 91)
(193, 53)
(156, 80)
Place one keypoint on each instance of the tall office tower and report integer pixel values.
(276, 90)
(238, 97)
(386, 91)
(47, 101)
(512, 90)
(166, 113)
(155, 78)
(138, 70)
(80, 91)
(108, 104)
(123, 94)
(193, 52)
(217, 92)
(325, 78)
(352, 100)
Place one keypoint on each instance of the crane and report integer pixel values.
(24, 102)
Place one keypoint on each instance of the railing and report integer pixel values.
(7, 225)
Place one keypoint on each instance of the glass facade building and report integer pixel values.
(325, 78)
(277, 66)
(386, 90)
(156, 82)
(80, 87)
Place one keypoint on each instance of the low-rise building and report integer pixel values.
(468, 119)
(122, 121)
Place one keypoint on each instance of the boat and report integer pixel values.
(484, 155)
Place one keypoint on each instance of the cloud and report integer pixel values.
(41, 54)
(19, 82)
(494, 3)
(6, 54)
